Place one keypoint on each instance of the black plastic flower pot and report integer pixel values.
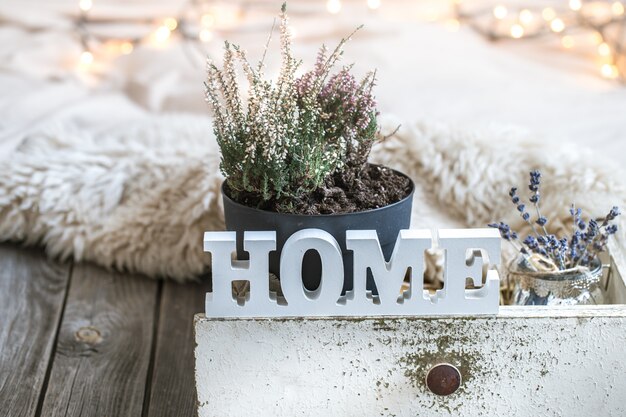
(387, 221)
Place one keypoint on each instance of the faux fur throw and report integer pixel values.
(138, 199)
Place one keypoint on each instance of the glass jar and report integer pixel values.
(573, 286)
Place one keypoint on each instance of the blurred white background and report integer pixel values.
(430, 66)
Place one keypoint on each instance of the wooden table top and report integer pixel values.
(77, 340)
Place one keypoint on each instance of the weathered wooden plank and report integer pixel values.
(616, 289)
(104, 350)
(526, 361)
(173, 389)
(32, 294)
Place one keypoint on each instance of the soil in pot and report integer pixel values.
(375, 187)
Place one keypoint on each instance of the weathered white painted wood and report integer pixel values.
(463, 248)
(616, 288)
(523, 362)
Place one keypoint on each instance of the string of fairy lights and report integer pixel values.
(575, 23)
(195, 22)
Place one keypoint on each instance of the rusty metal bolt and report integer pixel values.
(443, 379)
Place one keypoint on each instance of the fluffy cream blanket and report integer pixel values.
(139, 198)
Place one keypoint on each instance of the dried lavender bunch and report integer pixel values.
(587, 241)
(294, 133)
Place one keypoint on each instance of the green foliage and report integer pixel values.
(292, 134)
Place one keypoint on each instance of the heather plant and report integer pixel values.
(290, 135)
(546, 251)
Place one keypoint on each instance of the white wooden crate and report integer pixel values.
(526, 361)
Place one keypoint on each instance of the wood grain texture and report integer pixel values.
(562, 362)
(616, 284)
(173, 389)
(104, 346)
(32, 294)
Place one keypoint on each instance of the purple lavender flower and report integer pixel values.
(592, 231)
(522, 209)
(576, 213)
(553, 242)
(535, 181)
(541, 221)
(532, 243)
(575, 243)
(613, 213)
(505, 230)
(535, 198)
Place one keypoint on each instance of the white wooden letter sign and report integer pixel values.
(462, 248)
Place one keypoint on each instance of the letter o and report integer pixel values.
(331, 280)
